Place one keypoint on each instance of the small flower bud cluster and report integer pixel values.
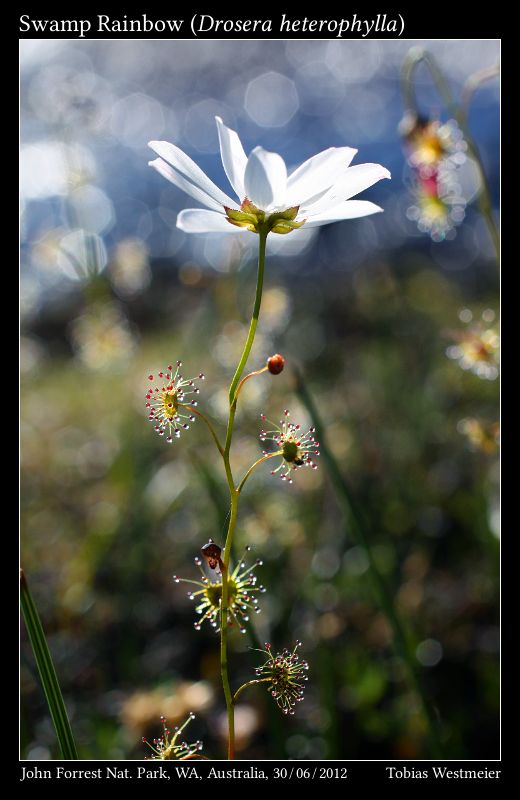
(168, 402)
(286, 674)
(168, 748)
(242, 588)
(294, 447)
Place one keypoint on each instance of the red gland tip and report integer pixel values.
(275, 364)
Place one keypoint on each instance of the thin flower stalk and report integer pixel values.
(248, 377)
(247, 685)
(256, 464)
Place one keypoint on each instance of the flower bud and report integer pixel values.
(211, 553)
(275, 364)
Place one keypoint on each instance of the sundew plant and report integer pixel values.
(269, 202)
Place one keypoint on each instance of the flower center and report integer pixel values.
(292, 452)
(170, 403)
(430, 149)
(433, 207)
(214, 593)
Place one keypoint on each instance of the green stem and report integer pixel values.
(474, 82)
(247, 377)
(234, 495)
(262, 236)
(208, 423)
(47, 672)
(220, 502)
(224, 608)
(415, 57)
(359, 529)
(245, 685)
(251, 468)
(407, 86)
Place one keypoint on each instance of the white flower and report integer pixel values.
(316, 193)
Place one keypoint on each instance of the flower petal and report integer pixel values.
(351, 182)
(179, 180)
(350, 209)
(189, 169)
(233, 157)
(317, 174)
(198, 220)
(265, 179)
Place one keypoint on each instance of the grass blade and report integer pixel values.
(358, 528)
(47, 672)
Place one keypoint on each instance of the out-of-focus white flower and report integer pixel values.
(316, 193)
(428, 141)
(440, 205)
(129, 267)
(102, 338)
(477, 347)
(481, 435)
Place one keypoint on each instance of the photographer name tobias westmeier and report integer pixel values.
(406, 773)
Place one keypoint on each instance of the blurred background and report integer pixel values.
(391, 319)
